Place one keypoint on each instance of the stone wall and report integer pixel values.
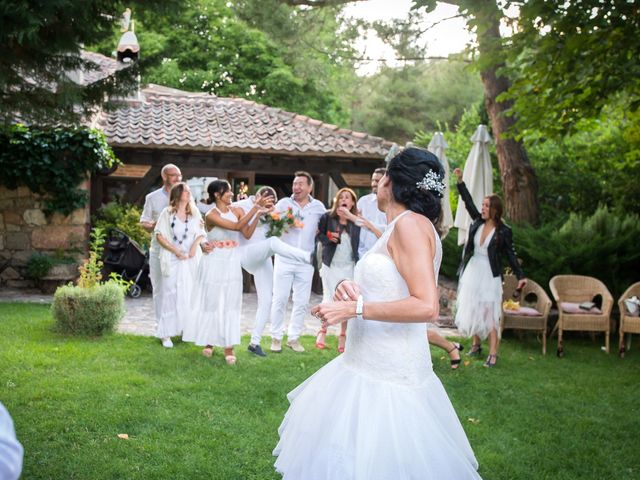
(25, 229)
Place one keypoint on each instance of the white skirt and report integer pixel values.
(216, 300)
(479, 301)
(173, 308)
(342, 425)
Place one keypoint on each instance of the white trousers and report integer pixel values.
(288, 276)
(256, 259)
(155, 275)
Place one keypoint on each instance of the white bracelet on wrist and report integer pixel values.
(359, 307)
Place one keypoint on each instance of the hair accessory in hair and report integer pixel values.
(431, 183)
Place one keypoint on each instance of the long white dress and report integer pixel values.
(217, 297)
(178, 276)
(479, 301)
(390, 416)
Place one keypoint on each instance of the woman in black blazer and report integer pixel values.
(479, 302)
(340, 238)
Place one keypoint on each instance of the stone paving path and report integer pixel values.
(139, 319)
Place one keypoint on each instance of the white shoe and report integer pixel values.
(276, 345)
(167, 343)
(295, 346)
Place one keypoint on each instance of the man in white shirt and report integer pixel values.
(154, 204)
(290, 274)
(255, 256)
(368, 208)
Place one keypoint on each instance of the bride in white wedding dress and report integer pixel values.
(390, 417)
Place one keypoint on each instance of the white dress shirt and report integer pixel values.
(305, 237)
(368, 208)
(154, 204)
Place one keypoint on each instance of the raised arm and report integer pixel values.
(466, 196)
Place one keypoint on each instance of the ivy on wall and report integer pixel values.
(53, 162)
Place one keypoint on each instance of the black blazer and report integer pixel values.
(329, 223)
(501, 242)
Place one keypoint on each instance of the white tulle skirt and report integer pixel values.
(343, 425)
(479, 301)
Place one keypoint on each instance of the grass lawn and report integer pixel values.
(187, 416)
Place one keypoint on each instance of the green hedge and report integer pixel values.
(603, 245)
(88, 311)
(124, 217)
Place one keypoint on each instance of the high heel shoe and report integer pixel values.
(320, 339)
(476, 351)
(488, 363)
(455, 363)
(342, 340)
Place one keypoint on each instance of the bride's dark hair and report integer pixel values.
(409, 168)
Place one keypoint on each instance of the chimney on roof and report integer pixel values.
(128, 47)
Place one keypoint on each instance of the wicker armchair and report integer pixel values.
(628, 324)
(578, 289)
(526, 322)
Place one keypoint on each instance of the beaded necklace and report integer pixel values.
(186, 228)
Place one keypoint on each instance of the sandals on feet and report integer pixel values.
(342, 340)
(230, 359)
(476, 350)
(320, 339)
(207, 352)
(489, 363)
(455, 363)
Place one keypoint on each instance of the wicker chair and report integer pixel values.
(526, 322)
(628, 324)
(577, 289)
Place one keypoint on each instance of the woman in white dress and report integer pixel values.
(391, 417)
(340, 239)
(217, 297)
(179, 232)
(479, 300)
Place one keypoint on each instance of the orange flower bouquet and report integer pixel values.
(280, 223)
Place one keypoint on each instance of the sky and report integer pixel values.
(450, 36)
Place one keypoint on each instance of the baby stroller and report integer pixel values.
(124, 256)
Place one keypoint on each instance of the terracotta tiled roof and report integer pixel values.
(169, 118)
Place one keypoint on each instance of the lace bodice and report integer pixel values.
(393, 352)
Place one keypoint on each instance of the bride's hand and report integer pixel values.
(345, 291)
(335, 312)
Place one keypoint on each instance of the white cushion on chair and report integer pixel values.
(570, 307)
(525, 312)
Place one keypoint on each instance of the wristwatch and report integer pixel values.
(359, 307)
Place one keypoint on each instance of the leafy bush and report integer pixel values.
(603, 245)
(39, 265)
(451, 255)
(88, 311)
(92, 307)
(125, 218)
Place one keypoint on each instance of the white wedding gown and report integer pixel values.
(376, 412)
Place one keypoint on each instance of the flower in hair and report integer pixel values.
(431, 183)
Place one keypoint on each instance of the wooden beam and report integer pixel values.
(140, 188)
(337, 179)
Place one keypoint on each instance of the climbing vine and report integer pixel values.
(53, 162)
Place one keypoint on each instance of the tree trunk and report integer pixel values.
(519, 182)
